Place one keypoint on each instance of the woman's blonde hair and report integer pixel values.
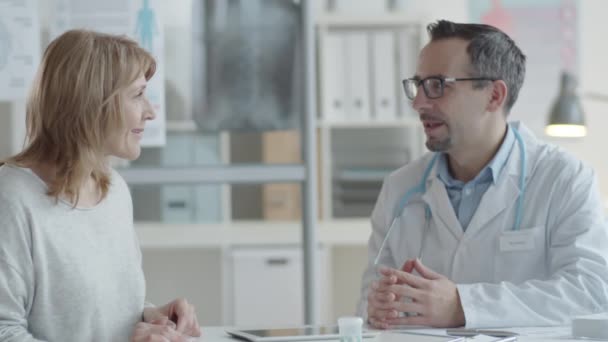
(75, 104)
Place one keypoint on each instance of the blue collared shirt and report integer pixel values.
(465, 198)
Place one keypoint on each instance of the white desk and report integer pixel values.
(218, 334)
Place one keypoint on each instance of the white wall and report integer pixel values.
(594, 70)
(12, 127)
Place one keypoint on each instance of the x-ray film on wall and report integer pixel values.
(251, 66)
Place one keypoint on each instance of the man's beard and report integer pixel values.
(439, 145)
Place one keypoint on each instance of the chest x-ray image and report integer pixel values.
(252, 65)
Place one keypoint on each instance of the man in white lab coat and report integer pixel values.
(496, 228)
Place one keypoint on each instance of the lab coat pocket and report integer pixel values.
(521, 255)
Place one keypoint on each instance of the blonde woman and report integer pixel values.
(70, 263)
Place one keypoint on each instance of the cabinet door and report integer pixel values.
(268, 287)
(197, 278)
(177, 202)
(208, 197)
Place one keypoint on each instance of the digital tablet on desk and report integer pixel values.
(290, 334)
(412, 336)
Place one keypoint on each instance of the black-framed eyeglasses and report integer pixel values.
(433, 85)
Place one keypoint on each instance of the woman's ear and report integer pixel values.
(498, 96)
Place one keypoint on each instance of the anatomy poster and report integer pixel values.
(19, 47)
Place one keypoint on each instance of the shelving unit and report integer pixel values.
(304, 174)
(345, 232)
(383, 121)
(367, 127)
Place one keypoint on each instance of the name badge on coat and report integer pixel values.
(521, 240)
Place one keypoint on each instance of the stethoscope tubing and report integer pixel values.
(420, 188)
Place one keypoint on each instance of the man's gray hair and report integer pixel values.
(493, 54)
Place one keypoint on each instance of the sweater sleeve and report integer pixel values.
(16, 274)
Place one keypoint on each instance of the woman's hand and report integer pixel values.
(179, 312)
(157, 332)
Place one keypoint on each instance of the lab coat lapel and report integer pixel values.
(499, 196)
(442, 211)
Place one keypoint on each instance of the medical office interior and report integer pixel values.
(229, 92)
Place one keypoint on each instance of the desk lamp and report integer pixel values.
(567, 118)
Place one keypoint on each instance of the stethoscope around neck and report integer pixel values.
(420, 188)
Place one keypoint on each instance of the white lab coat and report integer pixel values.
(562, 272)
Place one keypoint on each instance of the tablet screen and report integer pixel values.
(411, 336)
(304, 331)
(289, 334)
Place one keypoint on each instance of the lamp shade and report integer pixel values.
(567, 118)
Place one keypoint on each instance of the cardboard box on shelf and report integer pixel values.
(281, 201)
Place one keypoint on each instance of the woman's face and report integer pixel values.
(136, 110)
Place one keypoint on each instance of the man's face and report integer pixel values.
(453, 121)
